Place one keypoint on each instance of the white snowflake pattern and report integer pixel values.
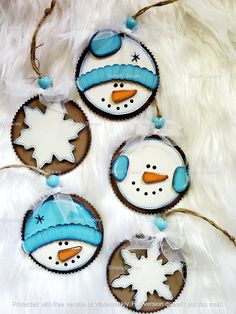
(49, 134)
(146, 275)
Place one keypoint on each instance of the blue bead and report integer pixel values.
(131, 23)
(53, 181)
(45, 82)
(160, 223)
(159, 122)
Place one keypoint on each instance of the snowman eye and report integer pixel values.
(160, 189)
(148, 166)
(121, 85)
(103, 99)
(60, 243)
(115, 85)
(154, 167)
(66, 243)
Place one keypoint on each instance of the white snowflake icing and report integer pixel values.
(146, 275)
(49, 134)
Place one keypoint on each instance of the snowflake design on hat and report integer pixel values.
(146, 275)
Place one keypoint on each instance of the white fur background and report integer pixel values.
(194, 42)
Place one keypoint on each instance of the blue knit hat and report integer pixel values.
(60, 219)
(106, 43)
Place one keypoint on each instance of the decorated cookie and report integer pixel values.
(63, 234)
(54, 137)
(149, 175)
(142, 278)
(117, 76)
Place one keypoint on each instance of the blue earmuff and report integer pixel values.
(105, 43)
(120, 167)
(180, 179)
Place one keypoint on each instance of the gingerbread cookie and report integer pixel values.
(116, 76)
(54, 137)
(143, 279)
(62, 234)
(149, 175)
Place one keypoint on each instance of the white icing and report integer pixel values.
(123, 56)
(146, 275)
(49, 134)
(43, 254)
(151, 152)
(97, 93)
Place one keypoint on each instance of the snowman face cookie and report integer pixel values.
(150, 175)
(62, 235)
(117, 76)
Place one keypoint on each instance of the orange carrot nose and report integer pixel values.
(64, 255)
(120, 95)
(153, 177)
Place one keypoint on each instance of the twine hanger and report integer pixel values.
(196, 214)
(34, 61)
(158, 4)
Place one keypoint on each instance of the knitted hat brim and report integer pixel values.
(62, 232)
(127, 72)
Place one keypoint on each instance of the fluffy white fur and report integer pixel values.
(194, 43)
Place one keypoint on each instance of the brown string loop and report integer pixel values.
(46, 174)
(33, 58)
(196, 214)
(159, 4)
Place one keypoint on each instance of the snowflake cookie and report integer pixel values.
(149, 174)
(53, 137)
(143, 279)
(62, 233)
(117, 76)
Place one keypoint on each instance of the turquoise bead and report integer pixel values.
(160, 223)
(159, 122)
(131, 23)
(45, 82)
(53, 181)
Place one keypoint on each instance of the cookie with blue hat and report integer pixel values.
(150, 174)
(117, 76)
(62, 233)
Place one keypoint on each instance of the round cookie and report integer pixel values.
(143, 280)
(55, 138)
(150, 175)
(116, 76)
(62, 234)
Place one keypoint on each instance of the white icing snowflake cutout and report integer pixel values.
(147, 276)
(117, 76)
(49, 134)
